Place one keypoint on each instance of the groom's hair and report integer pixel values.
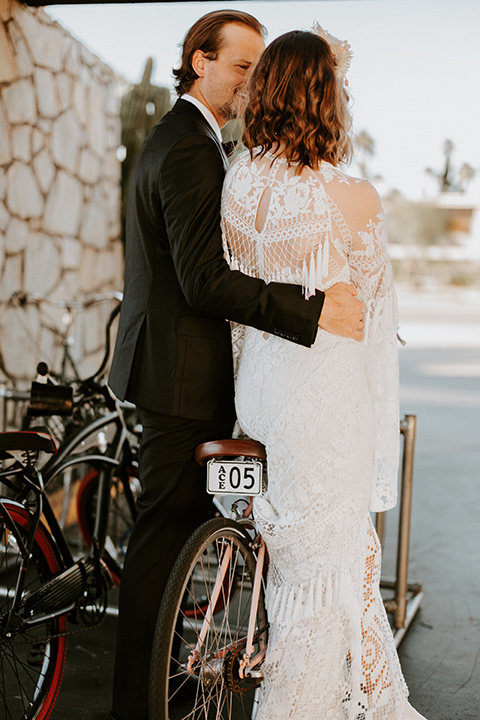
(297, 102)
(206, 35)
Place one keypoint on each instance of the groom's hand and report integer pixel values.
(342, 313)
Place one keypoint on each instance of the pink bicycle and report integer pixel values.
(212, 627)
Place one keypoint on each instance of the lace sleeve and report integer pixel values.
(372, 275)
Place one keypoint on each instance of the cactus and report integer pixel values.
(141, 108)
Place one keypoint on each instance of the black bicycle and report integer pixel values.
(45, 591)
(51, 585)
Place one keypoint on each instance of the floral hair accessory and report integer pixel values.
(341, 51)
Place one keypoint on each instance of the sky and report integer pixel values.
(414, 77)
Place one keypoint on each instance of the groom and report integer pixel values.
(173, 354)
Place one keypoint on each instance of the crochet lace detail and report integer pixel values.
(328, 416)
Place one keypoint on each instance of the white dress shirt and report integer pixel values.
(209, 117)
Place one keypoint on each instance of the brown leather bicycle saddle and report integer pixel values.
(229, 448)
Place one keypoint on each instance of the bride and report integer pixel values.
(327, 415)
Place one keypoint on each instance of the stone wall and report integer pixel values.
(59, 190)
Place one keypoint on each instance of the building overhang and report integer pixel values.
(43, 3)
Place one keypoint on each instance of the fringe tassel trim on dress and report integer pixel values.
(293, 602)
(316, 269)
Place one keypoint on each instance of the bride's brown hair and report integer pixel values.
(297, 103)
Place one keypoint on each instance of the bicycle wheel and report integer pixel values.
(120, 516)
(31, 659)
(212, 689)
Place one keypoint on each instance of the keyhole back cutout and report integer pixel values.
(262, 209)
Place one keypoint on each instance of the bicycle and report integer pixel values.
(70, 310)
(42, 586)
(212, 628)
(74, 398)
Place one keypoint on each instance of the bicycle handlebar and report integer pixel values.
(108, 326)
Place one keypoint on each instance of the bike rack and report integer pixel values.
(10, 395)
(407, 597)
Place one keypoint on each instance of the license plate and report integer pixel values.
(234, 477)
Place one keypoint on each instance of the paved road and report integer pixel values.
(440, 383)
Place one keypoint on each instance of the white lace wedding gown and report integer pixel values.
(328, 416)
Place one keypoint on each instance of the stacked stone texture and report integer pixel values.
(59, 189)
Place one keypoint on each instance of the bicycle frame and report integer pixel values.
(66, 458)
(247, 661)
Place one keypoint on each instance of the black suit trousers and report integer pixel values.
(173, 503)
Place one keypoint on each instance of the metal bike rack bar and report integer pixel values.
(407, 597)
(10, 395)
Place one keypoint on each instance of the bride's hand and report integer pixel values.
(342, 312)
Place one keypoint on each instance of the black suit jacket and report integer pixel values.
(173, 351)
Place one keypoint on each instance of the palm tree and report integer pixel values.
(446, 179)
(364, 150)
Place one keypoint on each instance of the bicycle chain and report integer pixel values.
(54, 636)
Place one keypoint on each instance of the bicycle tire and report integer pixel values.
(209, 691)
(120, 519)
(31, 673)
